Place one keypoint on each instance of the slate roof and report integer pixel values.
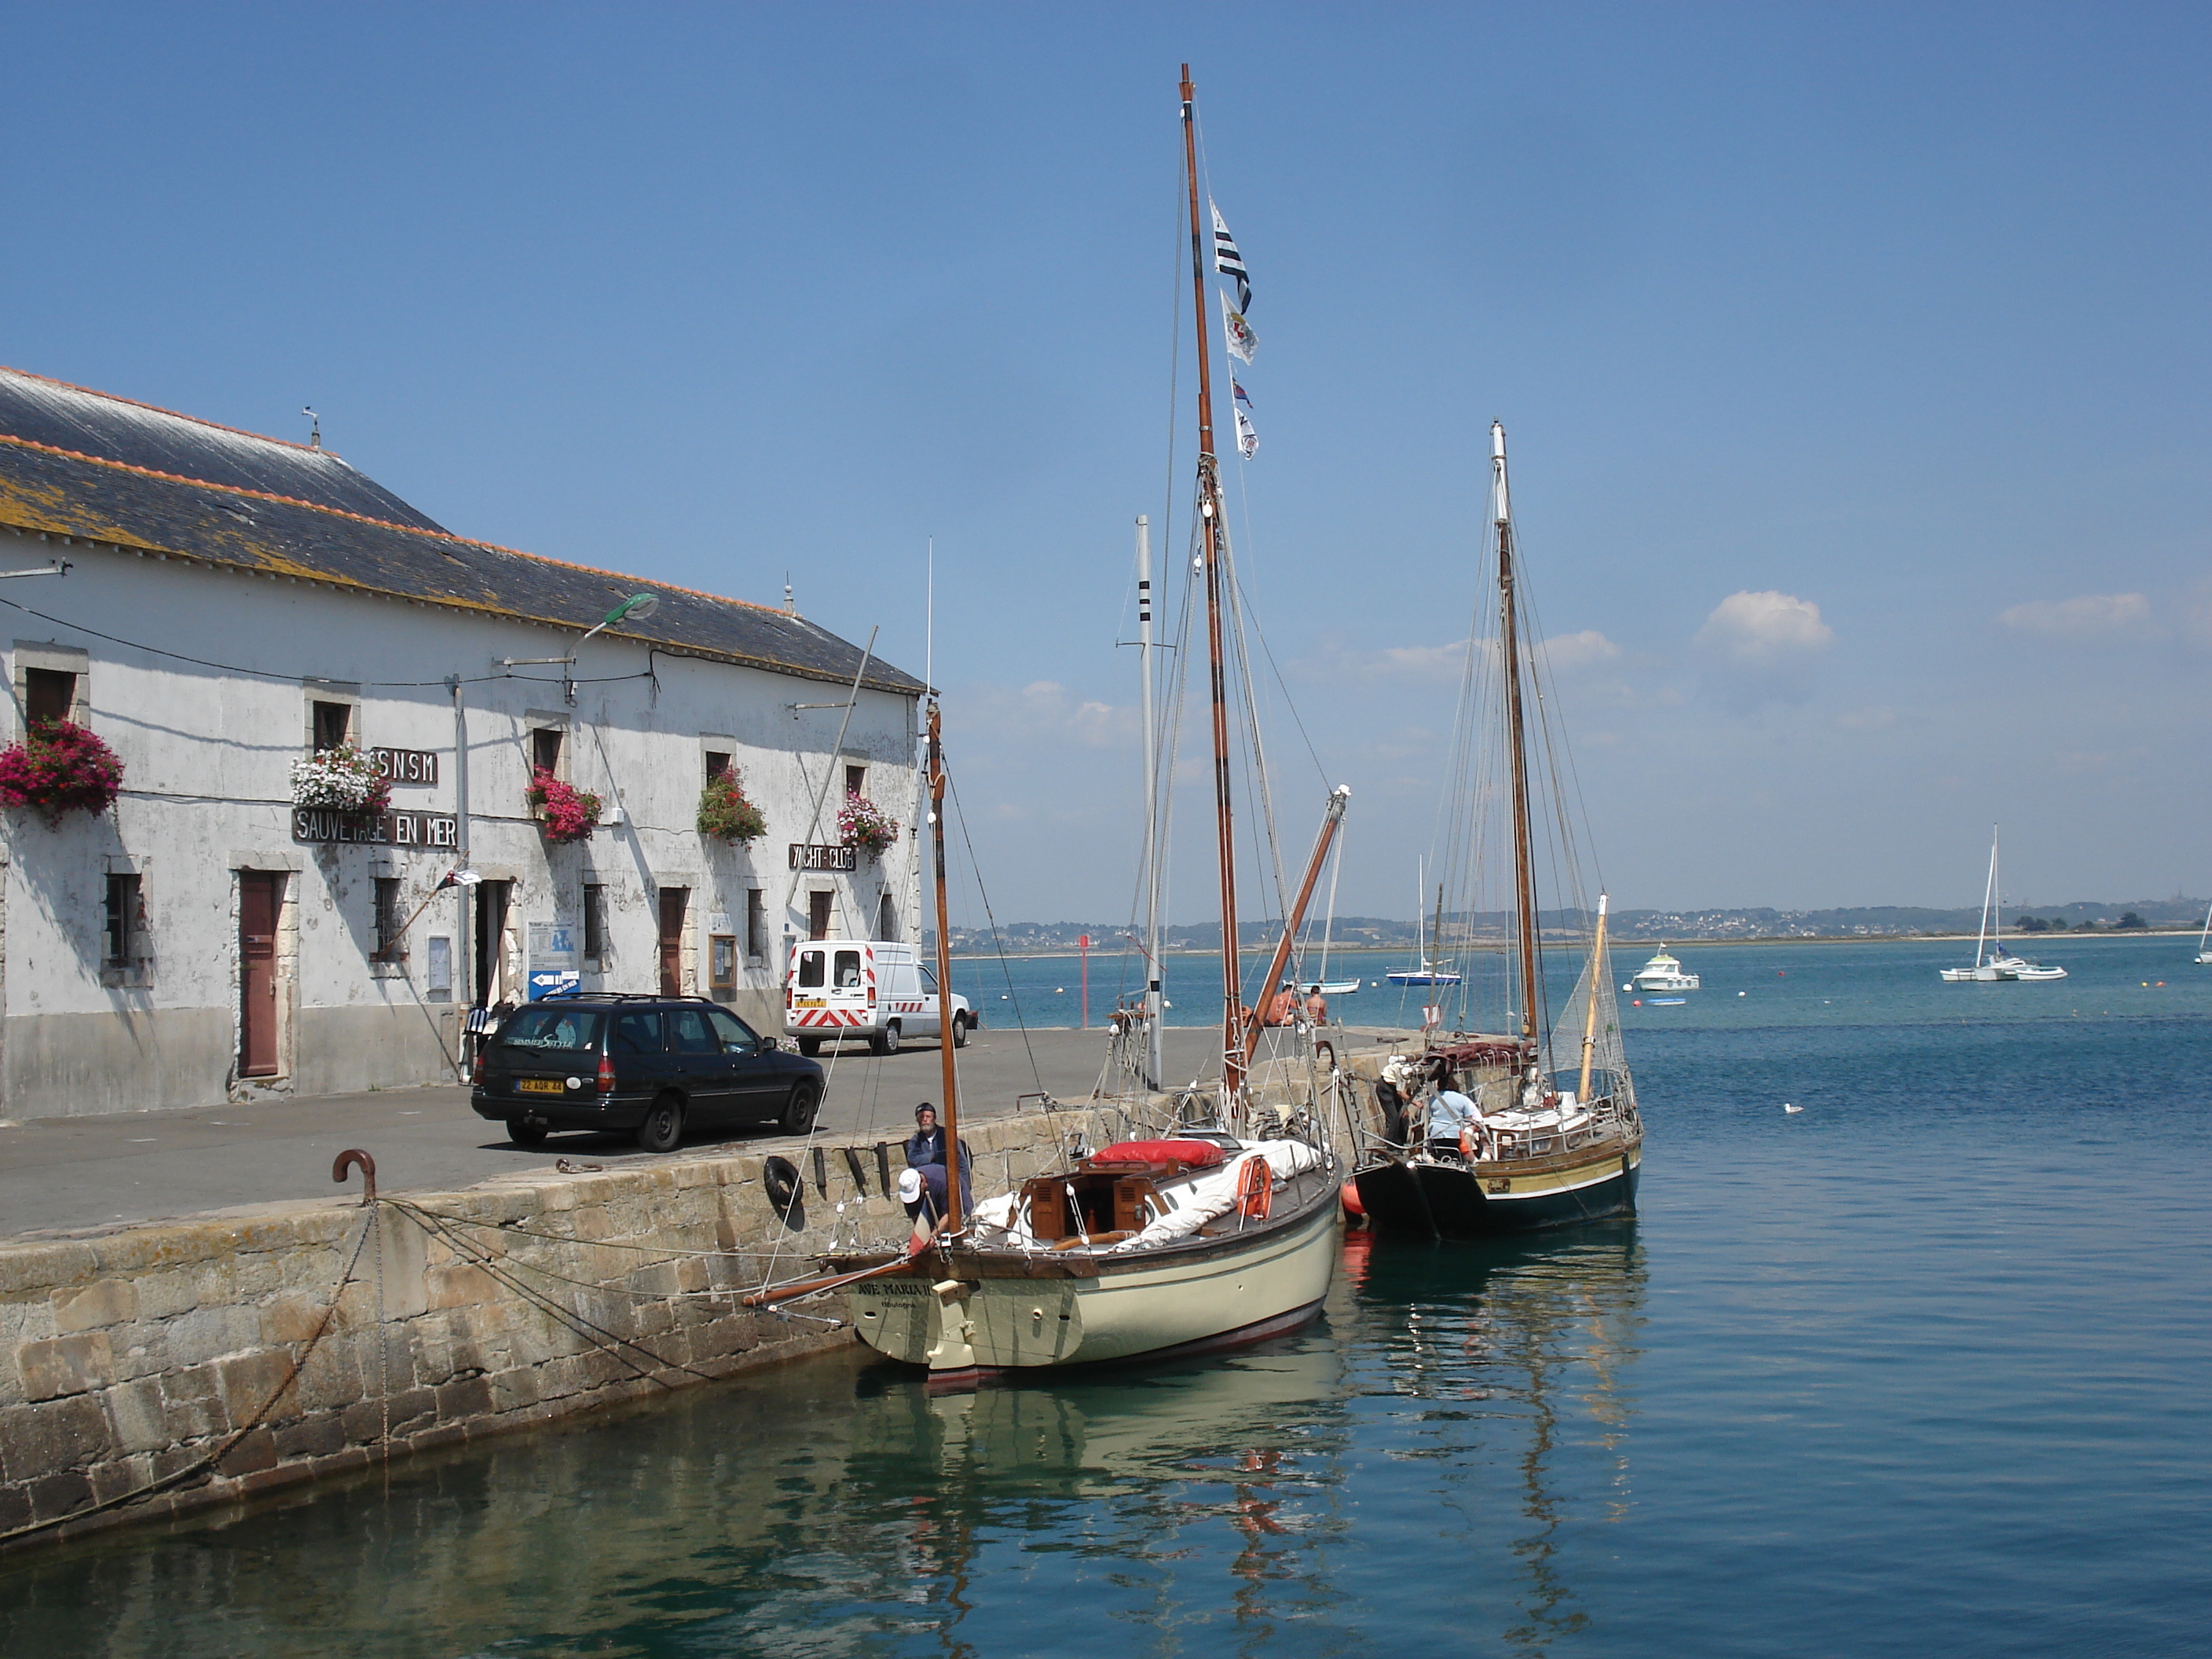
(105, 470)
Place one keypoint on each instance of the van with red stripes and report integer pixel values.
(856, 987)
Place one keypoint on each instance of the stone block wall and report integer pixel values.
(165, 1367)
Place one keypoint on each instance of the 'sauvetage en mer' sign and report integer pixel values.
(812, 855)
(435, 830)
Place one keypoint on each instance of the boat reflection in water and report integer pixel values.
(1445, 1452)
(1504, 1369)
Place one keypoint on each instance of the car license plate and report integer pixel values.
(807, 1002)
(539, 1085)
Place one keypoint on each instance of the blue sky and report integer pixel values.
(1855, 360)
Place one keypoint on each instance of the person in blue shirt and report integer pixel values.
(925, 1156)
(1450, 1114)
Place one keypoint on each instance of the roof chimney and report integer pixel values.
(315, 436)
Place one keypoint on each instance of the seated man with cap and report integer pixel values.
(921, 1183)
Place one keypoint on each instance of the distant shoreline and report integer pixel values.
(1622, 947)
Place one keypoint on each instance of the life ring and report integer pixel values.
(780, 1176)
(1256, 1189)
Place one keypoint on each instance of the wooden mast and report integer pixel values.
(1234, 1055)
(951, 1113)
(1524, 871)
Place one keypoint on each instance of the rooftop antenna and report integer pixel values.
(315, 436)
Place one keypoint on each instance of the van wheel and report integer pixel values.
(887, 1040)
(663, 1126)
(959, 1031)
(526, 1133)
(799, 1114)
(810, 1046)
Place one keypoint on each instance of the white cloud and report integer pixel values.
(1044, 709)
(1760, 648)
(1568, 653)
(2086, 617)
(1877, 718)
(1765, 628)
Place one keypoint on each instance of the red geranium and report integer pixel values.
(60, 767)
(564, 812)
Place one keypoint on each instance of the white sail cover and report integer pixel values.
(1608, 1059)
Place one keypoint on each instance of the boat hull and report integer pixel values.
(1424, 1199)
(980, 1311)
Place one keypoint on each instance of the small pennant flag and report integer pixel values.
(1243, 396)
(1242, 342)
(1227, 260)
(1247, 441)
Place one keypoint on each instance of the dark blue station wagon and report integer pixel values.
(653, 1065)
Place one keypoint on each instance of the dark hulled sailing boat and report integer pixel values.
(1557, 1138)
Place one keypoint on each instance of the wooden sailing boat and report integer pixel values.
(1152, 1248)
(1557, 1137)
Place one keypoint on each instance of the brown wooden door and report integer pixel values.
(818, 915)
(259, 897)
(673, 903)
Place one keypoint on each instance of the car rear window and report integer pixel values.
(541, 1026)
(848, 971)
(809, 968)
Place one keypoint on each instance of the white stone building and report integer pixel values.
(233, 603)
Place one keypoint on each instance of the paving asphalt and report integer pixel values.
(68, 1174)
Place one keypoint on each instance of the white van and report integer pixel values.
(848, 987)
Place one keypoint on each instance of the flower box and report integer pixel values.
(862, 823)
(727, 814)
(564, 812)
(342, 780)
(58, 768)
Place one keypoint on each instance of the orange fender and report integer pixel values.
(1350, 1196)
(1255, 1190)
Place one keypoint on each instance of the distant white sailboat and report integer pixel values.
(1992, 966)
(1429, 973)
(2203, 954)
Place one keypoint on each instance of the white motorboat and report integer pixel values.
(1664, 973)
(1993, 965)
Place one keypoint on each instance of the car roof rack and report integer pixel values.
(575, 993)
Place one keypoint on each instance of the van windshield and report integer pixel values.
(809, 968)
(547, 1025)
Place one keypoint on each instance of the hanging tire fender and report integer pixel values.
(780, 1177)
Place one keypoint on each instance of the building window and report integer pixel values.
(333, 724)
(756, 926)
(49, 695)
(856, 779)
(595, 922)
(124, 916)
(818, 915)
(718, 762)
(545, 749)
(886, 918)
(391, 921)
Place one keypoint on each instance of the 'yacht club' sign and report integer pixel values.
(433, 830)
(812, 855)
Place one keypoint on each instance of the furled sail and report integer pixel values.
(1608, 1059)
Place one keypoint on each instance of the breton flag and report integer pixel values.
(1242, 342)
(1243, 396)
(1227, 260)
(1247, 441)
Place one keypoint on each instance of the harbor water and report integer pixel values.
(1920, 1368)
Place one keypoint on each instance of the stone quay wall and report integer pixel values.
(157, 1369)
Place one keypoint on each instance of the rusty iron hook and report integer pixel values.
(353, 1157)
